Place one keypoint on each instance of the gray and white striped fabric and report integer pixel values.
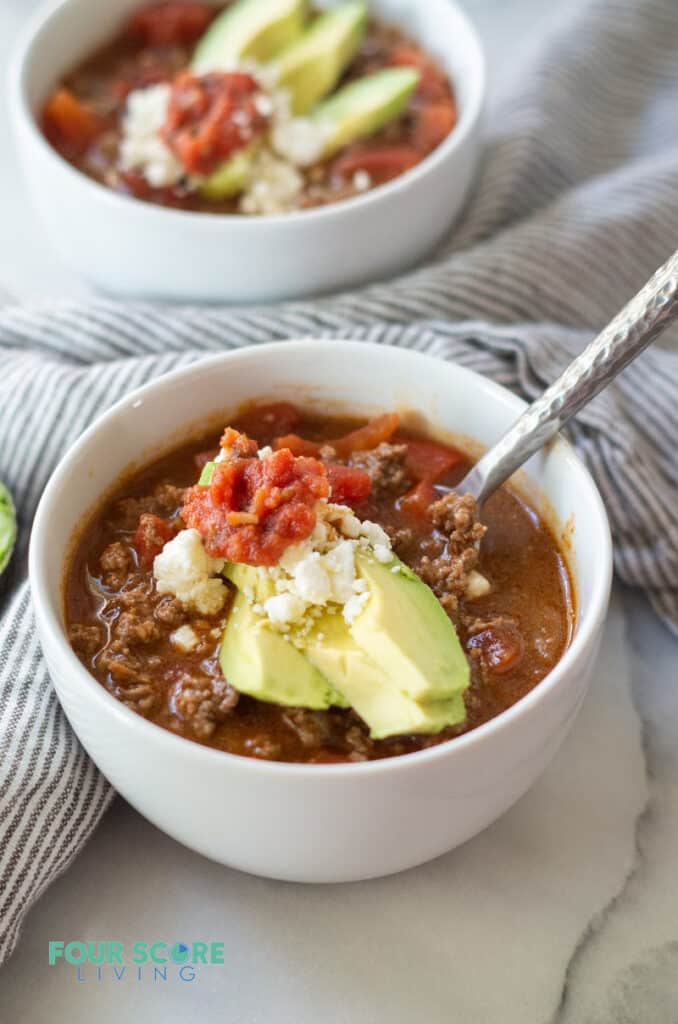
(576, 205)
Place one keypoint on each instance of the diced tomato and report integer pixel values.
(170, 22)
(298, 445)
(381, 162)
(500, 645)
(69, 124)
(427, 460)
(253, 509)
(265, 422)
(348, 484)
(363, 439)
(417, 501)
(151, 535)
(210, 117)
(434, 123)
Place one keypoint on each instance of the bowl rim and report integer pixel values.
(25, 118)
(586, 627)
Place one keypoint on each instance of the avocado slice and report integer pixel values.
(260, 662)
(311, 67)
(371, 691)
(249, 30)
(7, 527)
(231, 177)
(362, 107)
(407, 632)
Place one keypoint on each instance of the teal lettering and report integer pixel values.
(199, 952)
(97, 952)
(56, 950)
(217, 952)
(115, 952)
(158, 959)
(140, 953)
(76, 952)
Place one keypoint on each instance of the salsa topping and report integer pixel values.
(210, 117)
(170, 111)
(254, 508)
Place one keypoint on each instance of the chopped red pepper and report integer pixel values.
(434, 122)
(417, 501)
(427, 460)
(151, 535)
(210, 117)
(381, 162)
(170, 22)
(69, 124)
(363, 439)
(254, 509)
(348, 484)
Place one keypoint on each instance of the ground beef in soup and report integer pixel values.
(161, 660)
(385, 466)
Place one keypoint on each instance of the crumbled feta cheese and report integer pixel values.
(141, 148)
(321, 572)
(354, 607)
(183, 568)
(362, 181)
(374, 534)
(477, 586)
(274, 185)
(284, 609)
(298, 139)
(184, 638)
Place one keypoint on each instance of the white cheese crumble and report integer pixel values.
(362, 182)
(321, 572)
(274, 185)
(184, 638)
(141, 148)
(298, 139)
(183, 568)
(477, 586)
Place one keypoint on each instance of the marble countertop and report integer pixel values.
(566, 910)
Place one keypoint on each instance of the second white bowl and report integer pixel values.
(134, 248)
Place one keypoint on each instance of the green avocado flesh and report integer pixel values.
(399, 664)
(311, 67)
(365, 106)
(309, 62)
(260, 662)
(253, 30)
(7, 527)
(231, 177)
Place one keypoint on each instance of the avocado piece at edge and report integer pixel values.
(249, 30)
(311, 66)
(408, 633)
(7, 527)
(365, 106)
(231, 177)
(370, 691)
(260, 662)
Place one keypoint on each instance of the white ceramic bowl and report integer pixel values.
(134, 248)
(316, 823)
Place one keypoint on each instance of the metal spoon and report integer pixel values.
(625, 337)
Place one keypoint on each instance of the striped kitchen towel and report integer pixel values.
(576, 205)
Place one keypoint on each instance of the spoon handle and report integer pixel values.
(625, 337)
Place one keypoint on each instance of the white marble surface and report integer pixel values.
(565, 910)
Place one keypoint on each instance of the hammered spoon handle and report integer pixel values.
(632, 330)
